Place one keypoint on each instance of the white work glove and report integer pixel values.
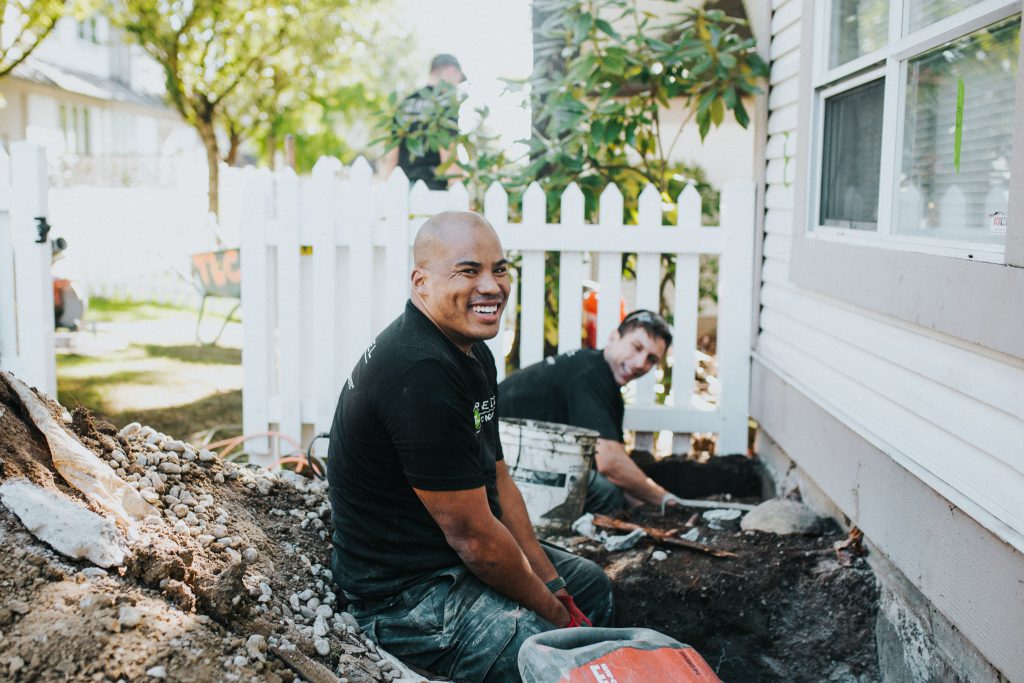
(670, 498)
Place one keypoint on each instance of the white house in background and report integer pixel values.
(87, 93)
(888, 365)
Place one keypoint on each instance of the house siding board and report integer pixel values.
(784, 67)
(942, 550)
(785, 14)
(785, 41)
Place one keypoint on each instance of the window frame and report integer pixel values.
(891, 62)
(974, 301)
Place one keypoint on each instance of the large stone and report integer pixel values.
(782, 516)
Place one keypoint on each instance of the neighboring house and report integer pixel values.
(888, 369)
(85, 93)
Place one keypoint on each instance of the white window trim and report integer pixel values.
(890, 62)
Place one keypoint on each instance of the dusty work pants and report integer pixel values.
(452, 624)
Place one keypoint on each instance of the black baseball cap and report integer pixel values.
(444, 59)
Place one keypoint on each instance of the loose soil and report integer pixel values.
(199, 601)
(783, 609)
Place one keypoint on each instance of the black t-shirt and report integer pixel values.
(576, 388)
(416, 412)
(423, 167)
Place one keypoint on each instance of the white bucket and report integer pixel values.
(551, 465)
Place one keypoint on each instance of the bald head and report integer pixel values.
(460, 280)
(440, 235)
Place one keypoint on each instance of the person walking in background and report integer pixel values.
(424, 120)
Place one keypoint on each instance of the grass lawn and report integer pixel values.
(150, 370)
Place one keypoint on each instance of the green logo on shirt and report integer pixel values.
(476, 418)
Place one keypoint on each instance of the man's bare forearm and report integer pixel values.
(618, 468)
(497, 559)
(516, 519)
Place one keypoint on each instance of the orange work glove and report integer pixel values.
(576, 617)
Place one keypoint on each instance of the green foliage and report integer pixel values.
(24, 24)
(599, 118)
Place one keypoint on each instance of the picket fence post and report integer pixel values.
(609, 267)
(28, 316)
(686, 300)
(496, 213)
(570, 276)
(531, 323)
(325, 186)
(735, 293)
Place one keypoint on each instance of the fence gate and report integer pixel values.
(325, 266)
(26, 289)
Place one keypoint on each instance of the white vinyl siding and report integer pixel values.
(950, 412)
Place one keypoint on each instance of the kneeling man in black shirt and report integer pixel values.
(433, 546)
(583, 389)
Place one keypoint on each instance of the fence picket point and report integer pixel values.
(609, 267)
(648, 274)
(570, 276)
(496, 213)
(531, 327)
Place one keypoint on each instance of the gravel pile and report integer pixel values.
(227, 580)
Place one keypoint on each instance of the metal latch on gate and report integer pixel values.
(43, 228)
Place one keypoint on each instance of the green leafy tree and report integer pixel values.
(601, 115)
(320, 88)
(215, 52)
(24, 24)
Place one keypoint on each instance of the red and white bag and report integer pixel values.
(610, 655)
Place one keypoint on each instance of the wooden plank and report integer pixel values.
(609, 263)
(8, 315)
(648, 277)
(612, 237)
(531, 327)
(359, 269)
(496, 213)
(686, 303)
(325, 263)
(34, 298)
(289, 304)
(992, 431)
(397, 257)
(735, 289)
(671, 418)
(570, 276)
(257, 352)
(984, 377)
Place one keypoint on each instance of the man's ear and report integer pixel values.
(419, 280)
(613, 337)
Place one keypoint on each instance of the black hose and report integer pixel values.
(309, 455)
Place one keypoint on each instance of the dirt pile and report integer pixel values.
(227, 580)
(783, 608)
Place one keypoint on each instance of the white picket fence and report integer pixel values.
(26, 290)
(326, 260)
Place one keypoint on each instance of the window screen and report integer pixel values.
(935, 199)
(851, 156)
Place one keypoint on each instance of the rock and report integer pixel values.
(174, 446)
(320, 627)
(323, 648)
(250, 555)
(324, 611)
(207, 456)
(350, 622)
(128, 616)
(150, 495)
(68, 527)
(782, 516)
(723, 520)
(169, 468)
(129, 429)
(240, 660)
(255, 646)
(659, 556)
(157, 672)
(293, 601)
(305, 595)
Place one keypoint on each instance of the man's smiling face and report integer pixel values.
(633, 354)
(463, 284)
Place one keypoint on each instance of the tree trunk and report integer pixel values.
(234, 144)
(206, 132)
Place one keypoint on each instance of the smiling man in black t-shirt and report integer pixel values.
(433, 546)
